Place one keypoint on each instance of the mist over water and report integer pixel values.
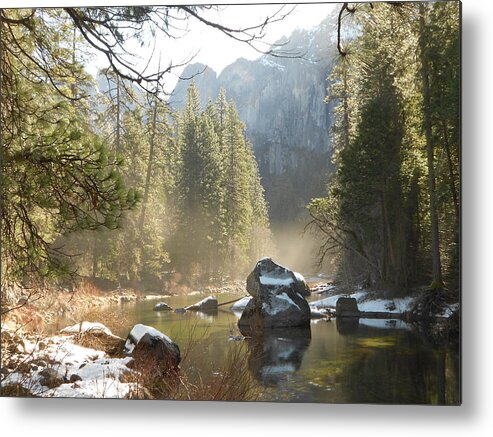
(297, 249)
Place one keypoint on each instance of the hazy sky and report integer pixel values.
(209, 46)
(212, 47)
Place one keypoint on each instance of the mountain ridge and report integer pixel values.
(281, 100)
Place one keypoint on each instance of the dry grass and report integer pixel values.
(100, 341)
(113, 317)
(231, 382)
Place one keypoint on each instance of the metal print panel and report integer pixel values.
(232, 203)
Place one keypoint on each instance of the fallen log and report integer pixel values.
(232, 301)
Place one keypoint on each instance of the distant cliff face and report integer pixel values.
(281, 101)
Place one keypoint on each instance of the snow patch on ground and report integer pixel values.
(398, 305)
(317, 313)
(330, 302)
(99, 376)
(278, 369)
(86, 326)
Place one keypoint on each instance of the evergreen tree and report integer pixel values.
(394, 200)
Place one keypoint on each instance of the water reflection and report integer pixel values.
(347, 325)
(344, 361)
(274, 354)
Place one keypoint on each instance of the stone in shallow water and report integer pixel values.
(277, 299)
(347, 307)
(207, 304)
(161, 306)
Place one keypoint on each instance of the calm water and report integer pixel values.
(355, 361)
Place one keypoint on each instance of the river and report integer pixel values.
(338, 361)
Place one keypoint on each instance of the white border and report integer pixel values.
(119, 418)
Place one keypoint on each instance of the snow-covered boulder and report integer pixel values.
(161, 306)
(207, 304)
(276, 301)
(151, 349)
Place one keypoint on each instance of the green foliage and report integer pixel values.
(223, 221)
(107, 185)
(58, 175)
(376, 218)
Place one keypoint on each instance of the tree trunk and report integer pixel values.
(118, 121)
(149, 167)
(435, 238)
(95, 257)
(74, 84)
(346, 108)
(453, 189)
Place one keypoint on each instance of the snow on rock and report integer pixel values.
(86, 326)
(241, 304)
(207, 304)
(152, 349)
(299, 276)
(277, 298)
(161, 306)
(275, 280)
(278, 303)
(264, 60)
(138, 331)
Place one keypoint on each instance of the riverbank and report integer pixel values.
(33, 357)
(87, 360)
(32, 311)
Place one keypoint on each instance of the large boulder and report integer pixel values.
(152, 350)
(277, 299)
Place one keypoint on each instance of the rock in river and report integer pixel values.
(152, 350)
(207, 304)
(161, 306)
(347, 307)
(277, 298)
